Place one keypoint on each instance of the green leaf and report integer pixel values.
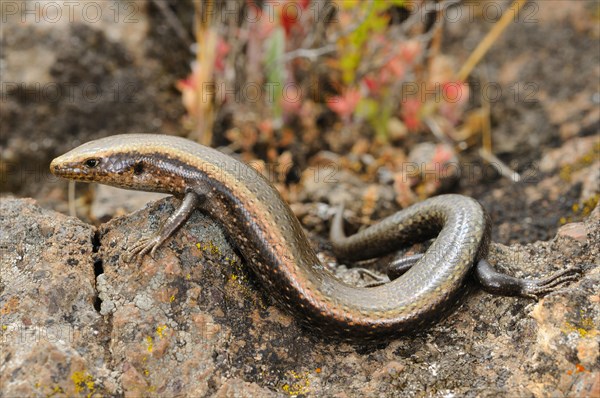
(367, 108)
(275, 47)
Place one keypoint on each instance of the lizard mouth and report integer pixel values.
(58, 168)
(62, 169)
(55, 167)
(70, 170)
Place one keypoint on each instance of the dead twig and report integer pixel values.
(310, 53)
(205, 59)
(487, 42)
(502, 167)
(314, 53)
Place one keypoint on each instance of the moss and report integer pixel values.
(581, 210)
(566, 172)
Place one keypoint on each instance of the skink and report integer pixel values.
(274, 245)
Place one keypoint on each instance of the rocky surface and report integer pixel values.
(75, 71)
(537, 96)
(52, 337)
(79, 321)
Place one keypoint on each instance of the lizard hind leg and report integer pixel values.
(496, 282)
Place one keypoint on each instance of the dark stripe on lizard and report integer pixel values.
(274, 245)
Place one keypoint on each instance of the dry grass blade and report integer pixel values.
(489, 40)
(206, 38)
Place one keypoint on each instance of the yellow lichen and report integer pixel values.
(160, 330)
(82, 381)
(585, 327)
(566, 172)
(209, 247)
(581, 210)
(238, 281)
(301, 386)
(149, 343)
(237, 277)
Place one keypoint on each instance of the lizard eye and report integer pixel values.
(91, 163)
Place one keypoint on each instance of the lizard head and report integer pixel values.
(125, 161)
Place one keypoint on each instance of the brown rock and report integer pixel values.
(568, 153)
(52, 338)
(193, 321)
(576, 231)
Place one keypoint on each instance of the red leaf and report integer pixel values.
(410, 113)
(345, 104)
